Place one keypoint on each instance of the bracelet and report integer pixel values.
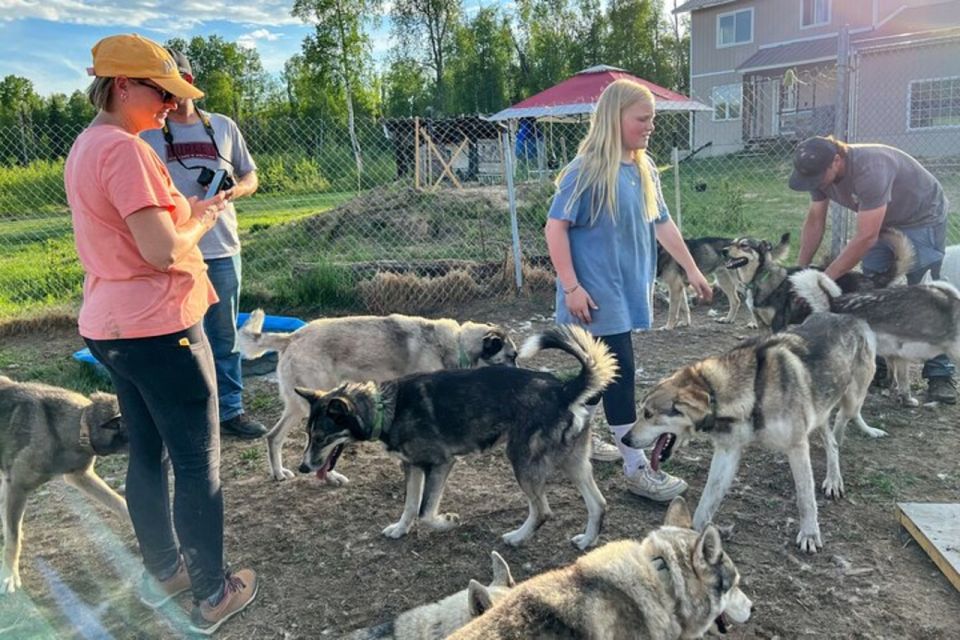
(571, 289)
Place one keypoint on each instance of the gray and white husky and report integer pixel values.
(773, 391)
(439, 619)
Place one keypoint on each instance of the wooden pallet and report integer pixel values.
(936, 528)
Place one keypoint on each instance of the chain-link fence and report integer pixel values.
(421, 218)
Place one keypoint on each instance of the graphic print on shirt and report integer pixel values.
(204, 150)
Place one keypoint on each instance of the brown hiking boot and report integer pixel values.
(239, 590)
(942, 389)
(156, 593)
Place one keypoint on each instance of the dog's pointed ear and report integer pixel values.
(678, 515)
(339, 407)
(309, 395)
(709, 548)
(780, 251)
(501, 571)
(765, 247)
(478, 598)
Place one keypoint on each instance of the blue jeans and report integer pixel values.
(220, 323)
(929, 244)
(165, 388)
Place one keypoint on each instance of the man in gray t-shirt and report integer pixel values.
(193, 144)
(886, 188)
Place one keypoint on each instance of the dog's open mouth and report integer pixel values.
(736, 263)
(330, 462)
(721, 623)
(662, 450)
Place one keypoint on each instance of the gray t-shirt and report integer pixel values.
(878, 175)
(195, 149)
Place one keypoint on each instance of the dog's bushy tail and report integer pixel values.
(253, 343)
(904, 257)
(815, 288)
(598, 365)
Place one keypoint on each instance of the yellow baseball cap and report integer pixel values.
(134, 56)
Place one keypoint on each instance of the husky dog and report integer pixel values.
(329, 351)
(773, 390)
(439, 619)
(912, 323)
(427, 420)
(675, 583)
(710, 256)
(775, 303)
(45, 432)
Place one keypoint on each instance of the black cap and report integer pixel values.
(810, 161)
(183, 65)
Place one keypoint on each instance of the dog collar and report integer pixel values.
(463, 360)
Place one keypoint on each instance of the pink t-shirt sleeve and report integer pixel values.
(135, 178)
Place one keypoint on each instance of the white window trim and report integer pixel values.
(814, 25)
(713, 114)
(943, 127)
(753, 28)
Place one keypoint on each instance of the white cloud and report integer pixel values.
(249, 40)
(149, 13)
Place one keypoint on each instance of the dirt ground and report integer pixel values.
(325, 567)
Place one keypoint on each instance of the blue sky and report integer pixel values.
(49, 41)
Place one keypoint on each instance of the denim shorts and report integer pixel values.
(929, 244)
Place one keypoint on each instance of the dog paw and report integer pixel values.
(809, 541)
(442, 522)
(752, 325)
(833, 488)
(396, 530)
(909, 401)
(724, 320)
(582, 541)
(514, 538)
(283, 474)
(872, 432)
(336, 479)
(9, 582)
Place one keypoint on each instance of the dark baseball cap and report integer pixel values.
(183, 65)
(810, 161)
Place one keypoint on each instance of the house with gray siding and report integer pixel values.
(770, 70)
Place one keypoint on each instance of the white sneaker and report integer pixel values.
(658, 486)
(601, 450)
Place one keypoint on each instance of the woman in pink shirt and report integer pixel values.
(144, 297)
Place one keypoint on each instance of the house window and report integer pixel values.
(935, 103)
(815, 13)
(727, 99)
(735, 28)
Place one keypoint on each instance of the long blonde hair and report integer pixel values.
(601, 150)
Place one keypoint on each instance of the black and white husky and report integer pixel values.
(427, 420)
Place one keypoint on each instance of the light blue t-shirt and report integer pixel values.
(615, 260)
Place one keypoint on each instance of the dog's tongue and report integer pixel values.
(322, 471)
(657, 450)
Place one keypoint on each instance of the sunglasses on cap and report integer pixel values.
(165, 96)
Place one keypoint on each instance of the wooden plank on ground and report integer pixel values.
(936, 528)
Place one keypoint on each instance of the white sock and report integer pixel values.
(633, 459)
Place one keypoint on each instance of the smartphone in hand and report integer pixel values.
(215, 183)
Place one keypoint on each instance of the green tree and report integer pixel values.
(19, 103)
(407, 89)
(479, 67)
(340, 49)
(231, 77)
(432, 22)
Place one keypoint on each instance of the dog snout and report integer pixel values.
(304, 467)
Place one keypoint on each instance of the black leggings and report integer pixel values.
(620, 398)
(166, 387)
